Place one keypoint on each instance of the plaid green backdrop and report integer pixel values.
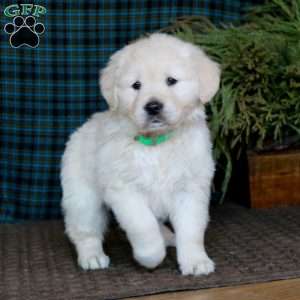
(48, 91)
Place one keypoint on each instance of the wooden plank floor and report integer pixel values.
(276, 290)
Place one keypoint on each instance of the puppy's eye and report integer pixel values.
(171, 81)
(137, 85)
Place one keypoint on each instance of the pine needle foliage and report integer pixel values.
(258, 103)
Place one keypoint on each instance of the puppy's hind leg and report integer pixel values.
(85, 221)
(168, 235)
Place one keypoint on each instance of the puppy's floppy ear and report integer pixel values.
(209, 74)
(108, 78)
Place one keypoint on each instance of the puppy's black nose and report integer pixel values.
(153, 107)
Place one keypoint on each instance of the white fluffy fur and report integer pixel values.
(104, 168)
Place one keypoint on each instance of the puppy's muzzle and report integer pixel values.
(153, 107)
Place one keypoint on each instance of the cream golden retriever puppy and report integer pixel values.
(148, 159)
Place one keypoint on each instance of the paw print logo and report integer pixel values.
(24, 32)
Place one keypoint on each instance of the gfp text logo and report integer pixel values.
(24, 30)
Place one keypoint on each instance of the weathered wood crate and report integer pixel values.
(274, 178)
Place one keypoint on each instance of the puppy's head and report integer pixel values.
(159, 81)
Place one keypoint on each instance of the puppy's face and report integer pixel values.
(158, 82)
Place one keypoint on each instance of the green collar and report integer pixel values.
(152, 140)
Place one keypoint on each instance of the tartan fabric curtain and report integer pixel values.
(49, 90)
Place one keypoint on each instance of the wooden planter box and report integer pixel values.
(274, 178)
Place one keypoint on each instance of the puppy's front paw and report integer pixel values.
(93, 262)
(198, 265)
(91, 255)
(151, 256)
